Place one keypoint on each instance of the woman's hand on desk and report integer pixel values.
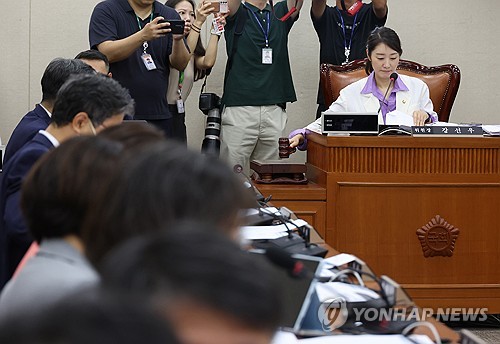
(420, 117)
(296, 140)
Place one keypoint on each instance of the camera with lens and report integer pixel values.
(210, 105)
(209, 101)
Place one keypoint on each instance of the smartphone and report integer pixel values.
(215, 5)
(224, 7)
(176, 25)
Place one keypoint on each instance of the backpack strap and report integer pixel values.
(241, 18)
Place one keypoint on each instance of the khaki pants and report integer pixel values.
(251, 133)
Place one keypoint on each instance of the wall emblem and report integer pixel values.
(438, 237)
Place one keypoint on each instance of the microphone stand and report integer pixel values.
(393, 77)
(385, 95)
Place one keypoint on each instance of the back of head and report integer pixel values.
(173, 3)
(193, 264)
(93, 55)
(58, 72)
(134, 135)
(96, 95)
(163, 184)
(62, 185)
(98, 320)
(382, 35)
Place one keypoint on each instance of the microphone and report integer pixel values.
(393, 77)
(295, 268)
(261, 200)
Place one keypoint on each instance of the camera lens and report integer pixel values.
(210, 104)
(213, 125)
(211, 142)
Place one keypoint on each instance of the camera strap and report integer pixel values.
(288, 14)
(204, 84)
(238, 31)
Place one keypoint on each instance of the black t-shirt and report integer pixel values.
(115, 19)
(331, 35)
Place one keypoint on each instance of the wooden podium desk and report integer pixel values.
(307, 201)
(424, 211)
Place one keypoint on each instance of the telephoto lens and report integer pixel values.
(210, 105)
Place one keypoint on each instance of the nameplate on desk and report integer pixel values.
(447, 131)
(349, 123)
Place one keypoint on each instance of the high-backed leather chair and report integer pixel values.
(443, 81)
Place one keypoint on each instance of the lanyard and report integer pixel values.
(179, 85)
(268, 21)
(139, 21)
(145, 44)
(347, 48)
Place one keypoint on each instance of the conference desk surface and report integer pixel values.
(423, 211)
(447, 334)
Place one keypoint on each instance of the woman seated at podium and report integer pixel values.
(382, 91)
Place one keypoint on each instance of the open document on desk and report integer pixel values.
(289, 338)
(491, 130)
(270, 232)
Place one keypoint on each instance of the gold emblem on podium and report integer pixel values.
(438, 237)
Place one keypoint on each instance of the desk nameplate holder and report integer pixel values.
(447, 131)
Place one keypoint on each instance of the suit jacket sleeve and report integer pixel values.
(15, 225)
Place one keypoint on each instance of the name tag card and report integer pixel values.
(447, 131)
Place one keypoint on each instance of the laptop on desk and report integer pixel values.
(296, 293)
(349, 123)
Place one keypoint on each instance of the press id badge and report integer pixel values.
(267, 56)
(148, 61)
(180, 105)
(217, 25)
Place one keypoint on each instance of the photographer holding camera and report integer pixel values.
(202, 60)
(258, 80)
(138, 39)
(343, 30)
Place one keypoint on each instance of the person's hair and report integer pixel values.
(194, 263)
(58, 72)
(381, 35)
(60, 188)
(199, 49)
(97, 95)
(134, 135)
(90, 319)
(164, 183)
(93, 55)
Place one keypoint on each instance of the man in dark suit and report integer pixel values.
(55, 75)
(85, 104)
